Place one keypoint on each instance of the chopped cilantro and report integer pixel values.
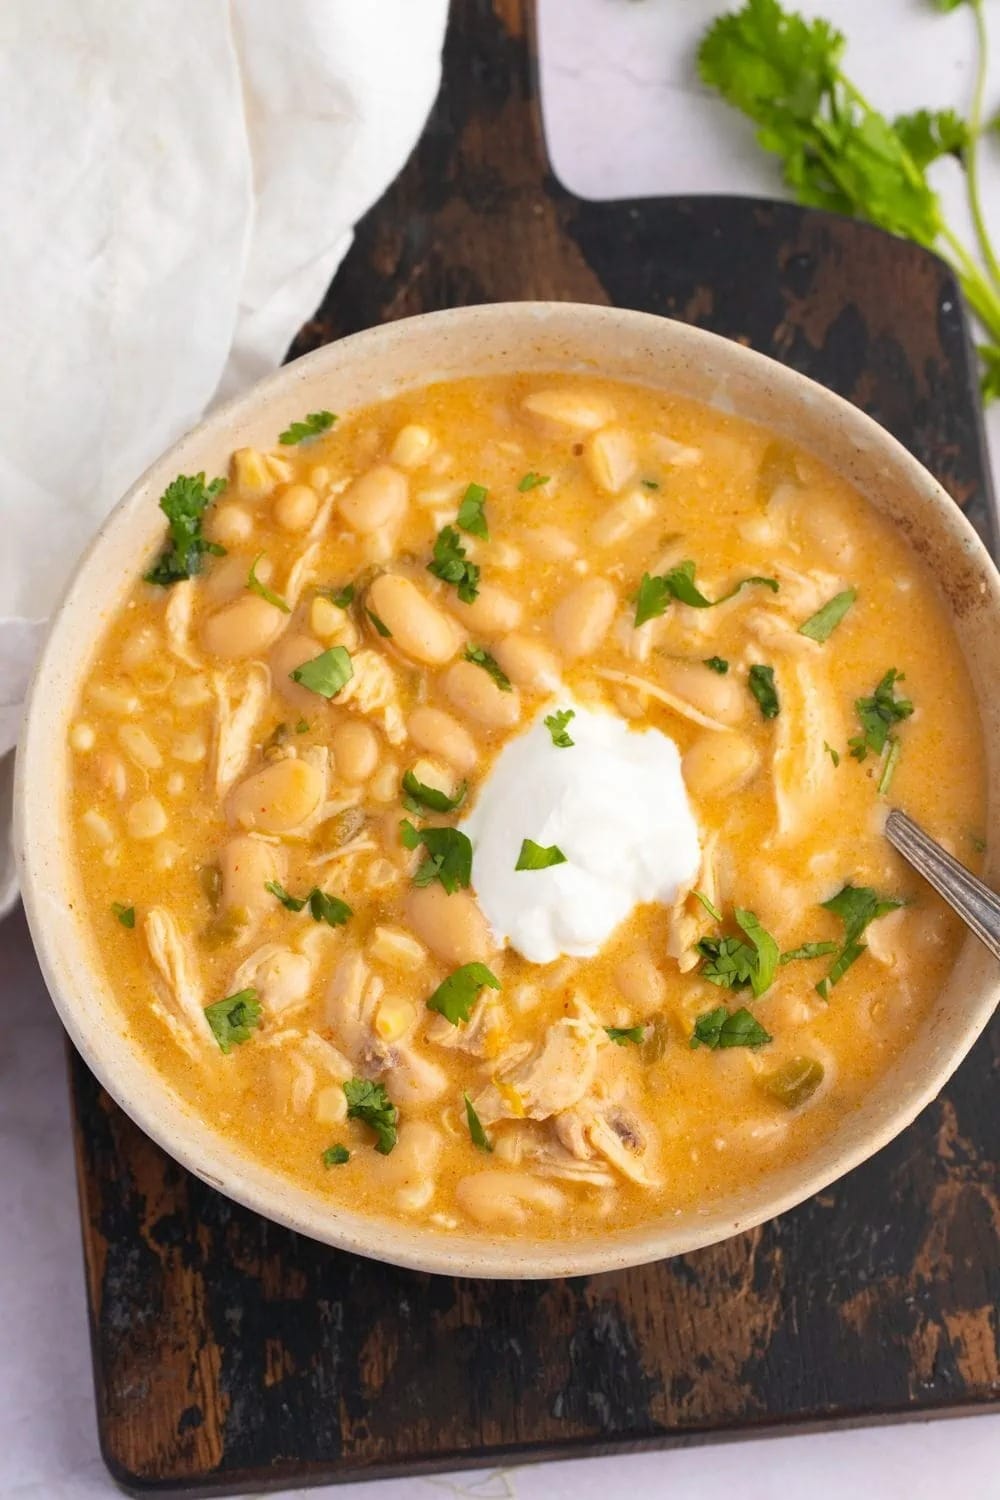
(343, 598)
(733, 964)
(456, 995)
(379, 624)
(125, 914)
(889, 763)
(538, 857)
(421, 799)
(482, 658)
(233, 1019)
(651, 484)
(184, 503)
(832, 753)
(761, 683)
(710, 907)
(657, 590)
(335, 1156)
(451, 566)
(409, 836)
(807, 950)
(449, 859)
(978, 843)
(622, 1035)
(470, 512)
(819, 626)
(856, 906)
(327, 673)
(877, 715)
(531, 481)
(369, 1103)
(256, 587)
(314, 425)
(322, 908)
(290, 903)
(302, 727)
(478, 1135)
(556, 725)
(717, 664)
(723, 1028)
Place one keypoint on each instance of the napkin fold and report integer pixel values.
(181, 178)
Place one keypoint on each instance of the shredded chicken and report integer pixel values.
(804, 775)
(183, 1011)
(688, 919)
(177, 618)
(613, 1132)
(235, 721)
(478, 1036)
(554, 1076)
(679, 705)
(298, 575)
(351, 998)
(374, 692)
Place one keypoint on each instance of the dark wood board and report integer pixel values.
(230, 1353)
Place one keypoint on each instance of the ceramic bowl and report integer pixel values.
(368, 367)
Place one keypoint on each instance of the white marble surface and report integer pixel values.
(623, 117)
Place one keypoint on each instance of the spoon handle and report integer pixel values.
(976, 904)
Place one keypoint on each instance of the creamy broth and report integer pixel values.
(714, 1035)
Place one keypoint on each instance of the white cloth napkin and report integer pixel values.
(180, 179)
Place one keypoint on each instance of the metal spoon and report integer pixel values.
(975, 903)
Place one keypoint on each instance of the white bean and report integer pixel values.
(528, 663)
(555, 410)
(640, 981)
(295, 507)
(507, 1199)
(277, 799)
(610, 458)
(492, 612)
(418, 628)
(376, 501)
(440, 734)
(724, 698)
(413, 446)
(139, 747)
(473, 692)
(289, 654)
(146, 818)
(244, 628)
(355, 750)
(245, 866)
(451, 926)
(583, 617)
(230, 525)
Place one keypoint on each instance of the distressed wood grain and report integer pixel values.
(230, 1353)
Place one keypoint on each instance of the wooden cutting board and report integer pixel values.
(230, 1353)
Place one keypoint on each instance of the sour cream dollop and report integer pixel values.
(614, 803)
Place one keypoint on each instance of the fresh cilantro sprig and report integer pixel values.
(838, 152)
(314, 425)
(471, 516)
(724, 1028)
(419, 799)
(657, 590)
(184, 503)
(456, 995)
(480, 657)
(876, 716)
(369, 1103)
(856, 906)
(322, 907)
(556, 724)
(449, 855)
(451, 565)
(234, 1019)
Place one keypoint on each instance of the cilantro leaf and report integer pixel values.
(536, 857)
(760, 680)
(343, 598)
(470, 512)
(328, 909)
(856, 906)
(710, 907)
(717, 664)
(456, 995)
(262, 591)
(734, 964)
(369, 1103)
(335, 1156)
(556, 725)
(451, 566)
(482, 658)
(314, 425)
(421, 798)
(622, 1035)
(656, 591)
(478, 1135)
(832, 753)
(409, 836)
(327, 673)
(819, 626)
(877, 715)
(723, 1028)
(379, 624)
(766, 949)
(807, 950)
(928, 134)
(449, 859)
(184, 503)
(125, 914)
(232, 1020)
(531, 481)
(290, 903)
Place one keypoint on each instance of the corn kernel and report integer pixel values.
(146, 818)
(330, 1106)
(82, 737)
(412, 446)
(394, 1018)
(393, 946)
(251, 474)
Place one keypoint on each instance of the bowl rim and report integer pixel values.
(407, 1245)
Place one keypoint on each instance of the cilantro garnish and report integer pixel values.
(256, 587)
(470, 512)
(856, 906)
(710, 907)
(335, 1156)
(760, 681)
(723, 1028)
(717, 664)
(622, 1035)
(451, 566)
(322, 908)
(456, 995)
(233, 1019)
(314, 425)
(877, 715)
(369, 1103)
(327, 673)
(556, 725)
(125, 914)
(482, 658)
(478, 1135)
(734, 964)
(343, 598)
(832, 753)
(657, 590)
(379, 624)
(184, 503)
(449, 856)
(538, 857)
(807, 950)
(531, 481)
(420, 798)
(819, 626)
